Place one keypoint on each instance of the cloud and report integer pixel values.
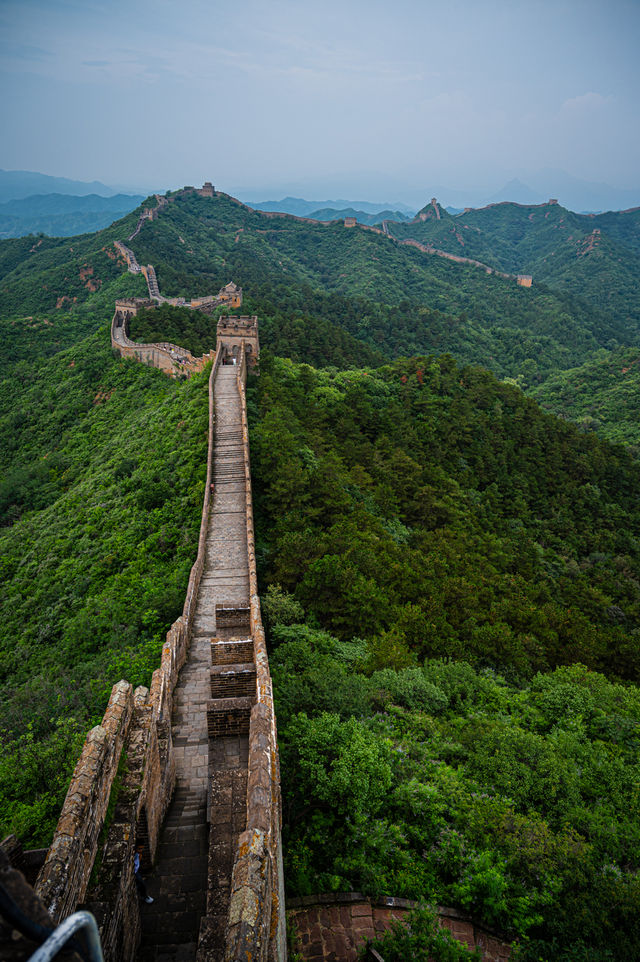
(588, 101)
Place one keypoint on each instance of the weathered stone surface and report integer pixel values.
(244, 904)
(333, 926)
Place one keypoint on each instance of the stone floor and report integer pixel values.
(180, 879)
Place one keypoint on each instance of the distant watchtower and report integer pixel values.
(207, 189)
(232, 331)
(231, 294)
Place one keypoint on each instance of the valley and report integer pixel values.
(449, 573)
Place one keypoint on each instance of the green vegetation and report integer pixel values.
(559, 248)
(421, 940)
(456, 552)
(396, 299)
(601, 395)
(434, 503)
(450, 574)
(194, 330)
(103, 472)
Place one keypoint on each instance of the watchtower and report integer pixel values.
(231, 294)
(127, 307)
(232, 331)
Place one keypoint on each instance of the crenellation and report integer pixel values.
(238, 337)
(64, 878)
(90, 862)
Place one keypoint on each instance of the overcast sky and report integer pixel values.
(372, 97)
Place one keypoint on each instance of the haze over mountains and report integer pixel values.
(533, 187)
(445, 551)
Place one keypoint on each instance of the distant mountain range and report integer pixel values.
(537, 187)
(308, 208)
(31, 202)
(329, 213)
(15, 184)
(63, 215)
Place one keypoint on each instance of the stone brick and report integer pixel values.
(463, 932)
(363, 909)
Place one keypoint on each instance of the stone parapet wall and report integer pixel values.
(64, 878)
(170, 358)
(130, 257)
(427, 249)
(256, 926)
(335, 926)
(90, 863)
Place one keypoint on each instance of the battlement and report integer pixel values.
(170, 358)
(131, 305)
(234, 332)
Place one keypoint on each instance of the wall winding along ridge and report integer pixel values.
(90, 863)
(124, 780)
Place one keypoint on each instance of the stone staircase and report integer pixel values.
(214, 697)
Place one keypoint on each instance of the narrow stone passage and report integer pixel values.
(191, 879)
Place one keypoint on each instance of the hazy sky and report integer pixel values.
(346, 95)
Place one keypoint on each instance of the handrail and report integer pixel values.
(65, 931)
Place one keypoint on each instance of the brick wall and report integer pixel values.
(90, 863)
(170, 358)
(256, 927)
(332, 928)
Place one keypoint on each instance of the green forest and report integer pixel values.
(450, 639)
(103, 473)
(450, 571)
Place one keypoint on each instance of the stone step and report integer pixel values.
(233, 681)
(231, 651)
(230, 615)
(229, 716)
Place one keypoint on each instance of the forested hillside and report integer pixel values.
(102, 476)
(602, 395)
(398, 300)
(450, 574)
(453, 606)
(595, 257)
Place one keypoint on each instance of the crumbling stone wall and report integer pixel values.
(256, 927)
(173, 360)
(333, 927)
(64, 878)
(122, 785)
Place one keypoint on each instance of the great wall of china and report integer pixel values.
(190, 766)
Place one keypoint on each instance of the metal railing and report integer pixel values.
(78, 922)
